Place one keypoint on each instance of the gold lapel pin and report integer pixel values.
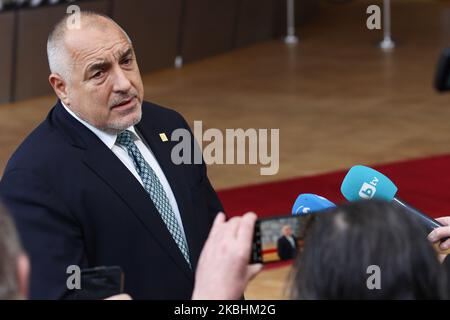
(163, 137)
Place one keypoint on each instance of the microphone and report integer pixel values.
(309, 203)
(363, 183)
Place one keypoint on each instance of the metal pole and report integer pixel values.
(290, 38)
(178, 62)
(387, 42)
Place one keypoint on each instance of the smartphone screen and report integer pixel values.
(278, 238)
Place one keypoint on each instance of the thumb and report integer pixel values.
(253, 270)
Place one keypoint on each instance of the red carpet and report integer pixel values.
(423, 183)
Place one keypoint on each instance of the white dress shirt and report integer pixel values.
(291, 241)
(121, 152)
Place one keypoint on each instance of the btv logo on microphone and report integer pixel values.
(303, 209)
(368, 190)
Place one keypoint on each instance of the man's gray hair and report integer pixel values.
(10, 249)
(58, 57)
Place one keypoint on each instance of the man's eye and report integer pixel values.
(127, 61)
(98, 75)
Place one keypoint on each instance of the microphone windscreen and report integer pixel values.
(308, 203)
(362, 183)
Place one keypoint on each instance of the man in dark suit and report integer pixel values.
(95, 183)
(286, 244)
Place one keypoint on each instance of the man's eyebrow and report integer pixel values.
(104, 64)
(100, 65)
(126, 53)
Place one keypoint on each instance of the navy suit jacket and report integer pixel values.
(285, 249)
(75, 203)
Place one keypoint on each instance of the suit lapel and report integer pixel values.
(114, 173)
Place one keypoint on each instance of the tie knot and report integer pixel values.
(125, 138)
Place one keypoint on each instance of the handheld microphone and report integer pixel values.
(309, 203)
(366, 183)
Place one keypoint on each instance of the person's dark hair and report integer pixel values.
(341, 244)
(10, 249)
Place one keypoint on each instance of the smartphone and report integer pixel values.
(279, 238)
(100, 283)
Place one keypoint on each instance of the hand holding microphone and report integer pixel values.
(440, 237)
(363, 183)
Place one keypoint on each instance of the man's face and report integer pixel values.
(287, 231)
(105, 87)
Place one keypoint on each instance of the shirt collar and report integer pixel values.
(109, 139)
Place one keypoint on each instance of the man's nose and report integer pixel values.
(121, 81)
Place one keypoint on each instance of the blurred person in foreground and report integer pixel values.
(14, 263)
(340, 246)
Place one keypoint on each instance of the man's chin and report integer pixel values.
(124, 123)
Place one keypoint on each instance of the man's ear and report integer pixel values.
(22, 274)
(59, 85)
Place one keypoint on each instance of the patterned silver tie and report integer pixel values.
(156, 191)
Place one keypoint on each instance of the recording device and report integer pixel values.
(280, 238)
(100, 283)
(442, 78)
(363, 183)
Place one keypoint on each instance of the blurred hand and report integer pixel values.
(223, 270)
(437, 234)
(122, 296)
